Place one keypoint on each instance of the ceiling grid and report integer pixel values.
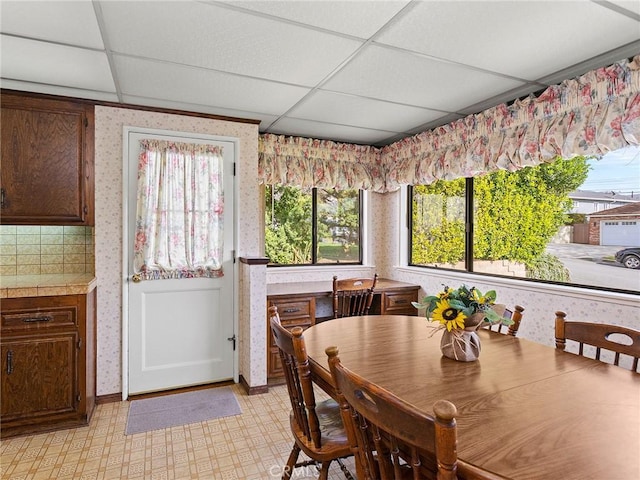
(363, 72)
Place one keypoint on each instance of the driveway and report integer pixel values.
(586, 252)
(588, 265)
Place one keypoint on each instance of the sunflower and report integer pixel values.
(448, 316)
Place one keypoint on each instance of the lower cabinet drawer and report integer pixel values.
(37, 313)
(37, 319)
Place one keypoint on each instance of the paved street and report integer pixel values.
(588, 265)
(578, 250)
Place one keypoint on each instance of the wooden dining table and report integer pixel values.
(525, 410)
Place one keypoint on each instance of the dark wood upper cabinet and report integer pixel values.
(47, 161)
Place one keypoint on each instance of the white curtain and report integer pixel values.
(179, 220)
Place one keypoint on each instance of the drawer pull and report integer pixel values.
(9, 362)
(401, 300)
(291, 310)
(44, 318)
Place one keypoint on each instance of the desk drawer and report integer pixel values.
(302, 309)
(399, 303)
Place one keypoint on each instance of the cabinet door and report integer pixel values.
(47, 162)
(39, 376)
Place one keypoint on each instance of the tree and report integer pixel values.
(338, 215)
(288, 225)
(515, 213)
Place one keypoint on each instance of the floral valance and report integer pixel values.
(589, 115)
(307, 162)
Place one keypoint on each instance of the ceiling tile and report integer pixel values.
(310, 72)
(412, 79)
(199, 34)
(526, 40)
(165, 81)
(361, 19)
(49, 63)
(338, 133)
(361, 112)
(72, 23)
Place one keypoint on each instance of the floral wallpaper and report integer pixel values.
(109, 123)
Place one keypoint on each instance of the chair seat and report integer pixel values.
(331, 425)
(330, 421)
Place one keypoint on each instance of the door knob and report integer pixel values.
(136, 278)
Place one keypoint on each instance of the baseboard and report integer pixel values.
(117, 397)
(110, 398)
(253, 390)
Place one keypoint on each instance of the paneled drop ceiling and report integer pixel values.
(366, 72)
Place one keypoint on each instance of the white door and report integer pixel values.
(180, 331)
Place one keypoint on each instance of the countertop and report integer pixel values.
(324, 288)
(14, 286)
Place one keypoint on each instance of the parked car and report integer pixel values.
(629, 257)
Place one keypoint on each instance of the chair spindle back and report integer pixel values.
(613, 338)
(389, 436)
(352, 296)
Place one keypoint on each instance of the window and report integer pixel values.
(312, 226)
(526, 224)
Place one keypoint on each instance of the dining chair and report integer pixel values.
(515, 315)
(613, 338)
(352, 296)
(317, 427)
(391, 439)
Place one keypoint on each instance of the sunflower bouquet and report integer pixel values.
(455, 309)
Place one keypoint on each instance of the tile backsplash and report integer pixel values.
(34, 250)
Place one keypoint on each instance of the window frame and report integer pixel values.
(362, 202)
(468, 239)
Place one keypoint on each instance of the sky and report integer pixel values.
(617, 171)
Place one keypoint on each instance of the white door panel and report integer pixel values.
(181, 334)
(180, 331)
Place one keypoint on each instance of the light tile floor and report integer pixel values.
(251, 446)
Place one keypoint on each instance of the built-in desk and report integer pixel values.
(304, 304)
